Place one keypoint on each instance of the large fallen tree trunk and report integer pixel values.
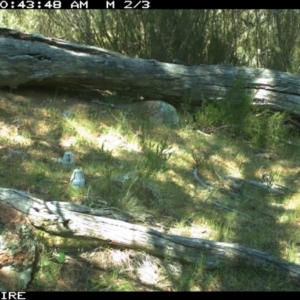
(75, 221)
(31, 59)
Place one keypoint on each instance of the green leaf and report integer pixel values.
(61, 258)
(46, 263)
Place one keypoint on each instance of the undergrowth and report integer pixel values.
(237, 116)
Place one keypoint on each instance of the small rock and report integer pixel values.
(160, 112)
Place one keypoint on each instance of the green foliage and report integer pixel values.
(155, 157)
(61, 258)
(108, 173)
(46, 263)
(231, 112)
(235, 115)
(49, 268)
(266, 129)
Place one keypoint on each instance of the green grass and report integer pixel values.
(115, 142)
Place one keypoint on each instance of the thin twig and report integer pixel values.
(226, 207)
(201, 181)
(203, 133)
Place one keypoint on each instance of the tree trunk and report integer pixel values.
(31, 59)
(76, 221)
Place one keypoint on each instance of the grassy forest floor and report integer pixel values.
(109, 141)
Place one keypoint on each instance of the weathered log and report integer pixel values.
(74, 221)
(31, 59)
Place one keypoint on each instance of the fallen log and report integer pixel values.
(75, 221)
(34, 60)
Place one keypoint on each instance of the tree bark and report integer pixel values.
(76, 221)
(34, 60)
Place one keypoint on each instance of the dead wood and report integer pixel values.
(34, 60)
(75, 221)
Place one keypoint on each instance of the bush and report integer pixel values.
(236, 115)
(266, 129)
(230, 112)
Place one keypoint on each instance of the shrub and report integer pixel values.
(236, 115)
(230, 112)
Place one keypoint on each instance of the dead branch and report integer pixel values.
(75, 221)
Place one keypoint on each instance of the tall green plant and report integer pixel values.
(266, 129)
(236, 115)
(155, 157)
(232, 111)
